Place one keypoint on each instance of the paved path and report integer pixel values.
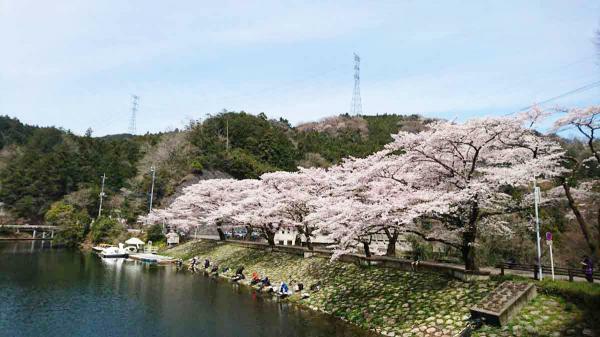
(529, 274)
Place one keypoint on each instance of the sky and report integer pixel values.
(75, 64)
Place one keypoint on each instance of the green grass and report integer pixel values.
(577, 292)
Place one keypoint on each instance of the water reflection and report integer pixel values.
(54, 292)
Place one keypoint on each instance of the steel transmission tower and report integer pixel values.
(134, 109)
(356, 108)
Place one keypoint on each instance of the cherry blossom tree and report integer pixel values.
(204, 203)
(259, 208)
(586, 122)
(456, 177)
(468, 167)
(292, 193)
(353, 204)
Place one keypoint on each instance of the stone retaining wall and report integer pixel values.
(455, 271)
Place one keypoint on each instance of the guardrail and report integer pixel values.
(570, 272)
(34, 229)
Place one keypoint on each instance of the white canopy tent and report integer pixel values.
(135, 242)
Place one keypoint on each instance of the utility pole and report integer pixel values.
(536, 193)
(101, 195)
(153, 170)
(227, 134)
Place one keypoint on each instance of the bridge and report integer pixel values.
(47, 231)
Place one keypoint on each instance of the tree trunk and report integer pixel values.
(221, 234)
(596, 153)
(469, 236)
(580, 220)
(270, 236)
(366, 248)
(309, 244)
(248, 235)
(468, 253)
(392, 239)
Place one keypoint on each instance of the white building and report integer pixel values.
(291, 237)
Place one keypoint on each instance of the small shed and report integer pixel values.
(172, 238)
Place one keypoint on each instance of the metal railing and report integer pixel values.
(570, 272)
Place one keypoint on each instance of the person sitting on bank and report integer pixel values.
(265, 282)
(588, 267)
(239, 274)
(298, 287)
(284, 290)
(194, 261)
(215, 269)
(206, 263)
(255, 278)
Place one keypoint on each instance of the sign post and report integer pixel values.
(549, 243)
(536, 193)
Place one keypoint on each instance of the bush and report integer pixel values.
(106, 230)
(575, 292)
(5, 231)
(241, 164)
(155, 234)
(71, 221)
(71, 235)
(197, 166)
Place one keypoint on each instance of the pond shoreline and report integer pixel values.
(372, 317)
(225, 277)
(386, 301)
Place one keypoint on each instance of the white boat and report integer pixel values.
(114, 252)
(98, 249)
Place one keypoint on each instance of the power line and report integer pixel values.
(565, 94)
(528, 79)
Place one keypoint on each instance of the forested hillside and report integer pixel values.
(40, 166)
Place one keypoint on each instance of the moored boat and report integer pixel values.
(114, 252)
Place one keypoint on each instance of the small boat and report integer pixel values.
(97, 249)
(101, 247)
(114, 252)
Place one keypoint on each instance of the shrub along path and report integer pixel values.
(389, 301)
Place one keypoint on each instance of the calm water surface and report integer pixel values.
(55, 292)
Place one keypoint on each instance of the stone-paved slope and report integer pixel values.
(389, 301)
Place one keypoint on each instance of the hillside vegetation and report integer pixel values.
(40, 166)
(43, 165)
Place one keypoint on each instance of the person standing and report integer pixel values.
(588, 266)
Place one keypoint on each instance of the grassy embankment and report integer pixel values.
(393, 302)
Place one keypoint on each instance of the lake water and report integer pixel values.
(56, 292)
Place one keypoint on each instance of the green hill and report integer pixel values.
(39, 166)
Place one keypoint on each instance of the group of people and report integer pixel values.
(263, 284)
